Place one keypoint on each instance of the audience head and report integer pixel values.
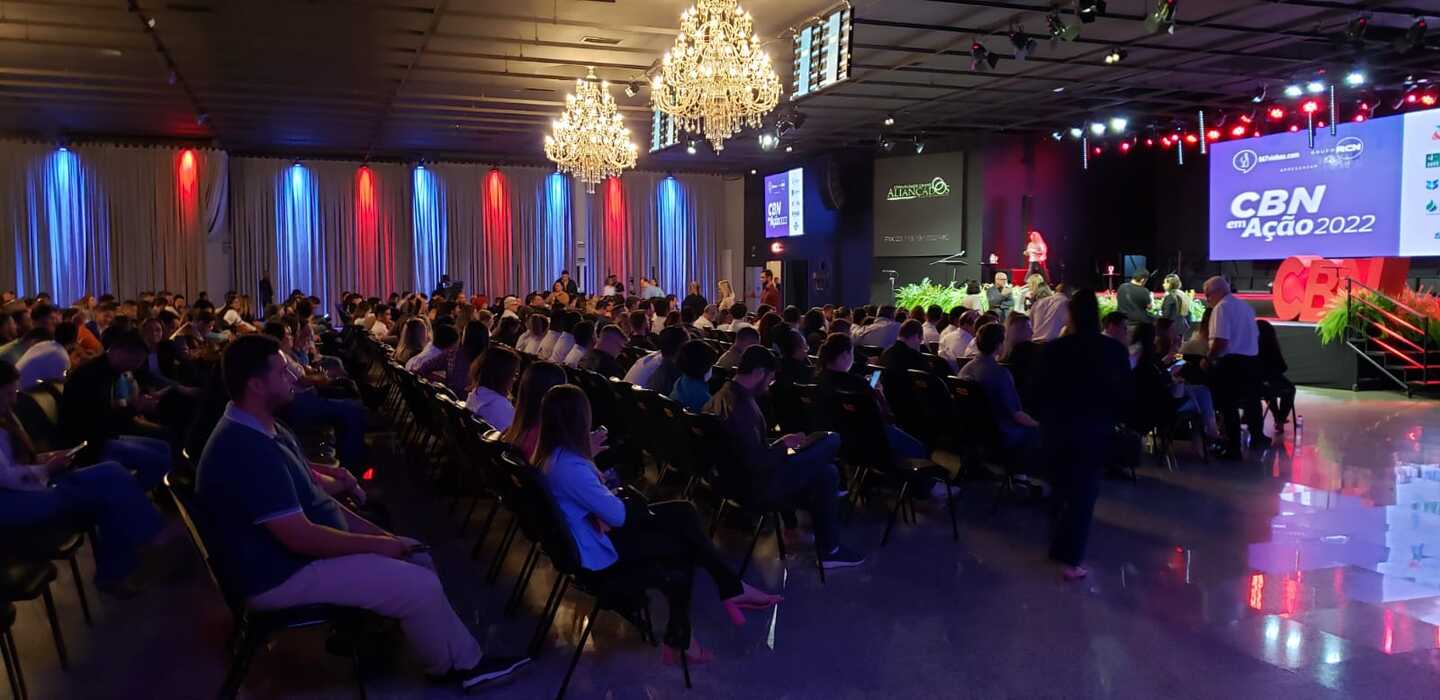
(659, 306)
(933, 314)
(837, 353)
(280, 332)
(1140, 276)
(767, 326)
(446, 336)
(539, 324)
(840, 325)
(125, 347)
(564, 424)
(767, 276)
(539, 378)
(912, 333)
(841, 311)
(738, 311)
(671, 338)
(710, 311)
(1116, 326)
(1002, 280)
(1084, 312)
(639, 323)
(66, 334)
(507, 330)
(612, 341)
(694, 359)
(693, 287)
(791, 315)
(255, 375)
(886, 311)
(746, 337)
(989, 338)
(969, 320)
(1171, 283)
(812, 322)
(756, 369)
(584, 334)
(44, 316)
(725, 288)
(1216, 288)
(495, 370)
(791, 344)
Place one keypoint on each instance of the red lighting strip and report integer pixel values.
(1397, 336)
(1398, 354)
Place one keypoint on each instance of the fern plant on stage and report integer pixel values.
(1331, 327)
(924, 294)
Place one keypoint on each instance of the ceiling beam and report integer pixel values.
(435, 14)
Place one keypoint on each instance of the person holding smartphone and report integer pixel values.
(45, 491)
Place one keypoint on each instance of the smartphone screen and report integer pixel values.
(875, 379)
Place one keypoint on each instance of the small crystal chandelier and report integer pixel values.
(716, 80)
(590, 140)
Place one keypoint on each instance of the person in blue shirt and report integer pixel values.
(613, 537)
(692, 388)
(279, 541)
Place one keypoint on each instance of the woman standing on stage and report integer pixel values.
(1037, 253)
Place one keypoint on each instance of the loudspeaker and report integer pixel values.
(832, 193)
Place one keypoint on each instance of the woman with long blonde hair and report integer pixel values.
(413, 339)
(727, 294)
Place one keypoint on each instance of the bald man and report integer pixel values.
(1234, 365)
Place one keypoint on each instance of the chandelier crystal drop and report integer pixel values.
(590, 140)
(716, 80)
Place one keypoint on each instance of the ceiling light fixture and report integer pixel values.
(1315, 87)
(690, 147)
(1022, 43)
(769, 139)
(1088, 10)
(1413, 38)
(981, 58)
(919, 146)
(1097, 128)
(1355, 29)
(1116, 56)
(590, 139)
(716, 80)
(1294, 91)
(1075, 132)
(889, 120)
(1355, 78)
(1260, 93)
(1056, 135)
(1118, 124)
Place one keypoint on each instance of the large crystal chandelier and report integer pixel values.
(716, 80)
(590, 140)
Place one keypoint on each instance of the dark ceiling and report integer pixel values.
(482, 79)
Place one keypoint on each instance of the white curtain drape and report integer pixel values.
(102, 218)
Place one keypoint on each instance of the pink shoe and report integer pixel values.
(757, 601)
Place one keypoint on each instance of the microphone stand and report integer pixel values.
(952, 261)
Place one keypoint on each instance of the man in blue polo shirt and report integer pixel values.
(281, 541)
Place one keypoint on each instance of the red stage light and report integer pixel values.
(1192, 138)
(1320, 124)
(1097, 150)
(1212, 134)
(1359, 117)
(1238, 131)
(1124, 146)
(1246, 118)
(1310, 106)
(1277, 113)
(1427, 99)
(1412, 98)
(777, 248)
(1149, 142)
(1294, 127)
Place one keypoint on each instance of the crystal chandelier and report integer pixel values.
(590, 140)
(716, 80)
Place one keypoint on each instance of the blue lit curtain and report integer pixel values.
(675, 225)
(542, 226)
(299, 245)
(431, 226)
(58, 229)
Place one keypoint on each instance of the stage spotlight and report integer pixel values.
(789, 149)
(1360, 117)
(1294, 91)
(919, 146)
(1056, 135)
(1428, 99)
(1314, 87)
(1118, 124)
(752, 171)
(1075, 132)
(1097, 129)
(690, 148)
(1162, 17)
(1310, 107)
(981, 58)
(1355, 78)
(1116, 56)
(1260, 93)
(1276, 113)
(1124, 146)
(889, 120)
(1059, 31)
(632, 88)
(1238, 130)
(1213, 135)
(1355, 30)
(1088, 10)
(1192, 139)
(769, 140)
(887, 144)
(1413, 38)
(1022, 43)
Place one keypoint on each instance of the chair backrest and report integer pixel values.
(604, 407)
(539, 515)
(972, 412)
(718, 377)
(717, 460)
(660, 424)
(862, 429)
(921, 403)
(789, 409)
(38, 410)
(197, 523)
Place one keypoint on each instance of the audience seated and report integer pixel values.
(657, 371)
(414, 340)
(309, 409)
(904, 354)
(1275, 388)
(692, 388)
(490, 379)
(584, 338)
(1160, 391)
(434, 363)
(524, 431)
(604, 356)
(794, 471)
(957, 335)
(881, 332)
(103, 410)
(563, 323)
(538, 328)
(47, 359)
(745, 338)
(49, 490)
(1049, 315)
(283, 542)
(794, 358)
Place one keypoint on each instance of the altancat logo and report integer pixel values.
(928, 190)
(1432, 160)
(1431, 208)
(1245, 160)
(1432, 184)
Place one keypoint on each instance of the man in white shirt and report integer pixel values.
(658, 309)
(1049, 316)
(707, 318)
(380, 327)
(882, 333)
(958, 336)
(1234, 365)
(929, 333)
(547, 344)
(423, 356)
(564, 323)
(47, 360)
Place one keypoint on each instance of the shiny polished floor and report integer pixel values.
(1300, 574)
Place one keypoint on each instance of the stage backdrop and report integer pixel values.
(920, 205)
